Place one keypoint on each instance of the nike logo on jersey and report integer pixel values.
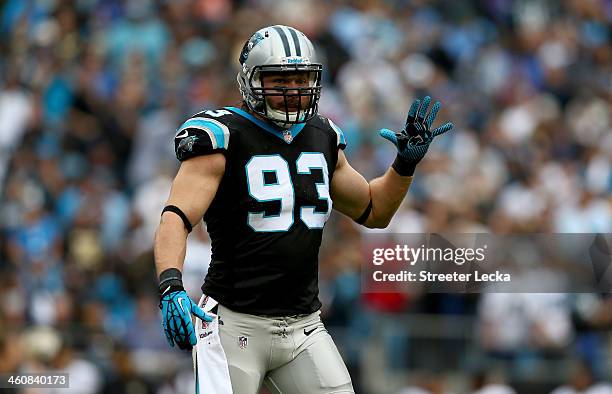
(182, 134)
(307, 333)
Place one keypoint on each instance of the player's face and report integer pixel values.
(291, 80)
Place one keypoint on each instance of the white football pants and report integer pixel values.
(290, 355)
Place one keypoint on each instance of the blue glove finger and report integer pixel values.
(423, 110)
(191, 331)
(177, 331)
(187, 324)
(432, 114)
(412, 112)
(164, 314)
(183, 339)
(196, 310)
(389, 135)
(183, 306)
(167, 333)
(443, 129)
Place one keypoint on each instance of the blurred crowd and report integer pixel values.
(92, 91)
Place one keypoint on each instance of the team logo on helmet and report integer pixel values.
(254, 40)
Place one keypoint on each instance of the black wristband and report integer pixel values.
(365, 215)
(170, 277)
(404, 167)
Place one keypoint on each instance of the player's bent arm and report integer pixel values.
(193, 189)
(351, 193)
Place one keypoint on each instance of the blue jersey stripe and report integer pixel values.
(295, 129)
(216, 130)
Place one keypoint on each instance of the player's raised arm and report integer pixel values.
(192, 191)
(373, 204)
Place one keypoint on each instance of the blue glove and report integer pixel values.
(413, 141)
(177, 308)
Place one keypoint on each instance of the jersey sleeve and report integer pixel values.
(340, 139)
(200, 136)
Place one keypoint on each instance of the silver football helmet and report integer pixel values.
(277, 49)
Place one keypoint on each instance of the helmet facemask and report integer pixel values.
(305, 99)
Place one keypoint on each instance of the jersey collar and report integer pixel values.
(295, 129)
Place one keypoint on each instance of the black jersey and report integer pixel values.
(267, 218)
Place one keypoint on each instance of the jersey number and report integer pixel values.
(217, 113)
(282, 190)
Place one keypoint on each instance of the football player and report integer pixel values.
(264, 177)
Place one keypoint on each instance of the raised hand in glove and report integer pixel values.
(413, 141)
